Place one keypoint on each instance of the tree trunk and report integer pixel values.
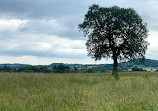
(115, 65)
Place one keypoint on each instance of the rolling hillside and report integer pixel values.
(148, 64)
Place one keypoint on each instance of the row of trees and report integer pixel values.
(44, 69)
(58, 69)
(25, 69)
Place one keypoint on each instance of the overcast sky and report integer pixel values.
(45, 31)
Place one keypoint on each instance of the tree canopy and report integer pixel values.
(114, 32)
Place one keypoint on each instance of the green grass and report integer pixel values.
(135, 91)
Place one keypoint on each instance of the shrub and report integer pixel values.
(137, 69)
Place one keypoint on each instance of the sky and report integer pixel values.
(46, 31)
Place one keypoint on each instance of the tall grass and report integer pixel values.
(78, 92)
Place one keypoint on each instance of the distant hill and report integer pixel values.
(137, 62)
(14, 65)
(148, 64)
(123, 66)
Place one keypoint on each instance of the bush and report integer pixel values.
(6, 69)
(89, 71)
(61, 69)
(28, 69)
(137, 69)
(44, 69)
(117, 77)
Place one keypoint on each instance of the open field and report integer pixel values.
(78, 92)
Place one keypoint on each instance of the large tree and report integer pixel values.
(114, 32)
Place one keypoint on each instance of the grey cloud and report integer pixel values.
(40, 8)
(152, 55)
(69, 13)
(40, 46)
(53, 54)
(66, 12)
(51, 27)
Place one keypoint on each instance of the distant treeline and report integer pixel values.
(44, 69)
(56, 69)
(134, 65)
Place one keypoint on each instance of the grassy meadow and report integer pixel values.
(135, 91)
